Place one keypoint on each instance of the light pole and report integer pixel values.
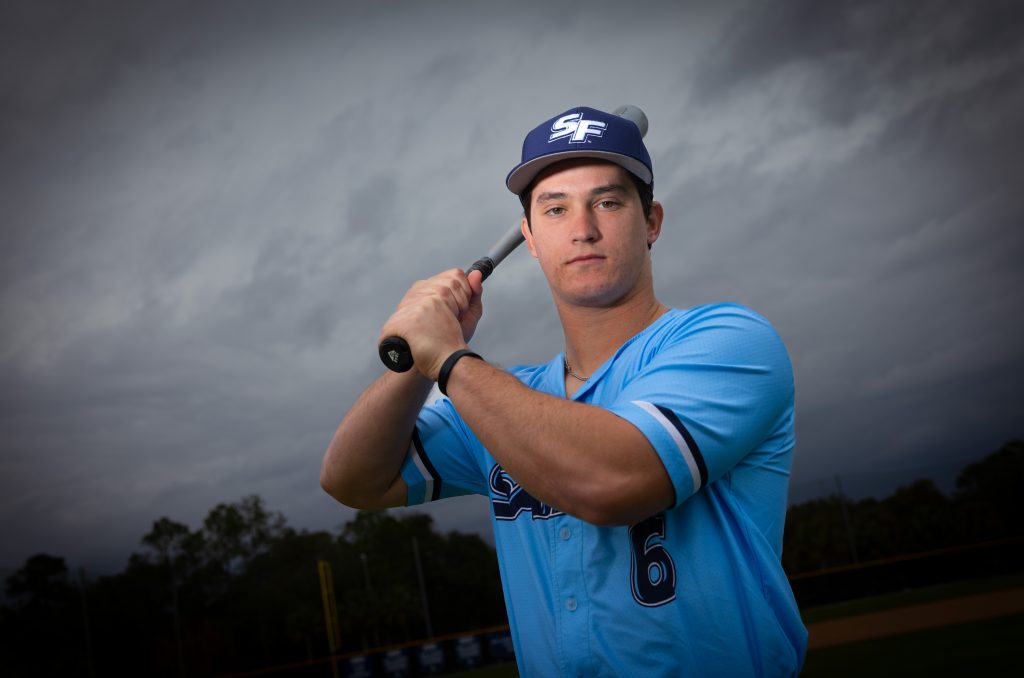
(372, 599)
(423, 588)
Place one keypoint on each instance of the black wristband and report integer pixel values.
(446, 368)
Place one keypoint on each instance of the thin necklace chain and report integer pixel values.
(571, 373)
(565, 361)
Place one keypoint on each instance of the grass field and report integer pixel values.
(987, 648)
(991, 647)
(928, 594)
(500, 671)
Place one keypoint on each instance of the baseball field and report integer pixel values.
(971, 627)
(964, 628)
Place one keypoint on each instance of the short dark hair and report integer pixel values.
(645, 191)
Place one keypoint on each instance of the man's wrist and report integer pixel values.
(446, 368)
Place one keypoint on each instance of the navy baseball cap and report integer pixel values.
(581, 133)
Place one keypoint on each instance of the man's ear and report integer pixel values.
(654, 222)
(524, 226)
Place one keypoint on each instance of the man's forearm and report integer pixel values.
(579, 458)
(362, 463)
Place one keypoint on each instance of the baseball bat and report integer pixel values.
(394, 351)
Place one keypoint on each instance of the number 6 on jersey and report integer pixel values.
(652, 571)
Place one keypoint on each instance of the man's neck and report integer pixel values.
(592, 335)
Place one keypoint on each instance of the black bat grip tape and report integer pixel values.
(485, 265)
(394, 351)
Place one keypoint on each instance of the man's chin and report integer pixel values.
(593, 297)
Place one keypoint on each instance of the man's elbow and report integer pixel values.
(333, 482)
(359, 492)
(332, 485)
(344, 495)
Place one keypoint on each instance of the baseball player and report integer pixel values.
(637, 481)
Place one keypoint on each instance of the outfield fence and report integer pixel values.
(433, 657)
(487, 646)
(899, 573)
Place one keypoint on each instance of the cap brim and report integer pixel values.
(519, 178)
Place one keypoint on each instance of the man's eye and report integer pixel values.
(608, 204)
(554, 211)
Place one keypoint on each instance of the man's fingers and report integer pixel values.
(476, 281)
(456, 288)
(461, 292)
(445, 287)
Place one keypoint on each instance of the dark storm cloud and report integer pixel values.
(889, 270)
(854, 56)
(869, 41)
(144, 320)
(208, 210)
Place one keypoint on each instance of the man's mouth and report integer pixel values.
(584, 258)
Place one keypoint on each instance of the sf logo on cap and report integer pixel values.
(576, 128)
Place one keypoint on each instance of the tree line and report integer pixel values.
(242, 593)
(987, 504)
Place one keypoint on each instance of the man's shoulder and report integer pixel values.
(714, 320)
(725, 331)
(719, 310)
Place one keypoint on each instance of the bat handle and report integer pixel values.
(394, 351)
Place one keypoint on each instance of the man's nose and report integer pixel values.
(584, 227)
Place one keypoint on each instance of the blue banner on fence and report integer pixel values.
(396, 664)
(499, 645)
(431, 659)
(467, 652)
(358, 667)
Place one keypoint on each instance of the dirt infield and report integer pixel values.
(916, 617)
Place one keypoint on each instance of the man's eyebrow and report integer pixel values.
(550, 195)
(597, 190)
(608, 188)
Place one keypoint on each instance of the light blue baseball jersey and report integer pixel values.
(697, 589)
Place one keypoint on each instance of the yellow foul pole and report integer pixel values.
(330, 612)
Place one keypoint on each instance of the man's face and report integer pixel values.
(589, 233)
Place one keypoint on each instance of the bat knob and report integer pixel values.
(395, 353)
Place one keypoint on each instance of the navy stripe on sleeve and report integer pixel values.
(690, 442)
(435, 493)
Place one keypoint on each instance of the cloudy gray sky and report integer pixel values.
(209, 208)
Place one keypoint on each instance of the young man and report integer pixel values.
(638, 480)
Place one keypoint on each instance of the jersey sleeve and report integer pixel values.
(442, 458)
(710, 394)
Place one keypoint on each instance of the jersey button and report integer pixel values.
(570, 604)
(565, 533)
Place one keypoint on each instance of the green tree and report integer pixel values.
(989, 500)
(41, 583)
(235, 533)
(816, 535)
(42, 632)
(920, 516)
(460, 573)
